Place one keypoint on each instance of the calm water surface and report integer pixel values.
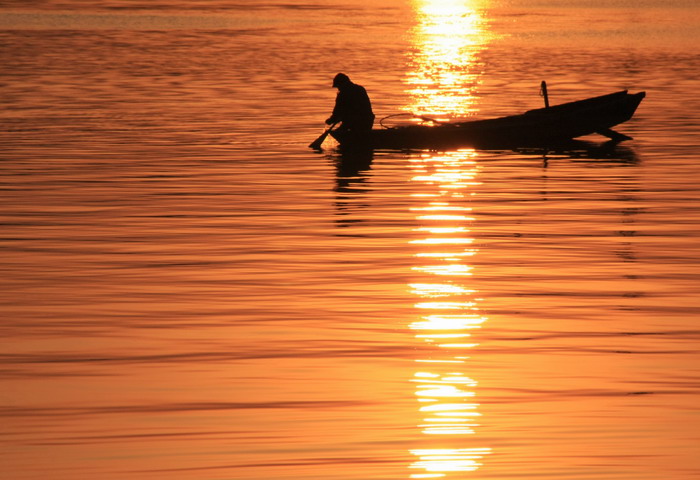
(188, 292)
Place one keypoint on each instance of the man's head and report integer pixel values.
(341, 80)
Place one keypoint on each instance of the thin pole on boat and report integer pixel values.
(543, 92)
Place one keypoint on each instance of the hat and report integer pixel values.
(340, 79)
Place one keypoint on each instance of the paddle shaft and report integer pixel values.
(316, 144)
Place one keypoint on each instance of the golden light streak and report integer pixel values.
(451, 178)
(441, 207)
(458, 345)
(438, 461)
(447, 255)
(438, 361)
(442, 241)
(459, 414)
(445, 269)
(442, 391)
(448, 322)
(438, 230)
(445, 69)
(438, 289)
(447, 381)
(445, 217)
(447, 431)
(449, 407)
(442, 79)
(432, 337)
(444, 305)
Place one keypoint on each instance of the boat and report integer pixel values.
(546, 126)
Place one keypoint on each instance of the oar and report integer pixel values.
(316, 144)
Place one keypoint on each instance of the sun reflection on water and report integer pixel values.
(448, 313)
(444, 70)
(442, 79)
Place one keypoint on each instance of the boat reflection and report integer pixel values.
(442, 79)
(584, 151)
(350, 180)
(351, 162)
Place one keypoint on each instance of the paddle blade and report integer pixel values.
(316, 144)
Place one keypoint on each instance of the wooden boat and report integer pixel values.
(540, 127)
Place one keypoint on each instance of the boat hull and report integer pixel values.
(540, 127)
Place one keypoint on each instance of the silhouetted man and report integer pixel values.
(352, 106)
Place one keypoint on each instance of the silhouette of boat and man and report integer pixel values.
(352, 120)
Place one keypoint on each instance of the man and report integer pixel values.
(352, 106)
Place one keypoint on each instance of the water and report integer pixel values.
(188, 292)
